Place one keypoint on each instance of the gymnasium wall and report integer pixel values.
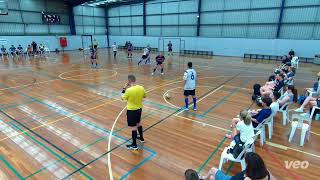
(24, 18)
(228, 46)
(90, 20)
(227, 27)
(74, 42)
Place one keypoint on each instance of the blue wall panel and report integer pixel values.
(13, 4)
(301, 2)
(59, 29)
(171, 7)
(265, 16)
(78, 20)
(188, 6)
(77, 10)
(113, 11)
(154, 31)
(188, 19)
(211, 31)
(208, 5)
(234, 31)
(114, 30)
(262, 31)
(187, 30)
(153, 9)
(125, 31)
(114, 21)
(36, 29)
(137, 20)
(88, 21)
(79, 30)
(11, 29)
(300, 15)
(170, 19)
(266, 3)
(88, 30)
(296, 32)
(137, 31)
(153, 20)
(87, 11)
(236, 17)
(170, 31)
(31, 17)
(33, 5)
(99, 21)
(13, 16)
(100, 30)
(125, 21)
(125, 10)
(101, 12)
(212, 18)
(137, 9)
(236, 4)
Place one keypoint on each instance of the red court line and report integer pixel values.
(280, 164)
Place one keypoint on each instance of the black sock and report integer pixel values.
(154, 70)
(134, 138)
(140, 129)
(161, 70)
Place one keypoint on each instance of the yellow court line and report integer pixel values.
(69, 100)
(57, 120)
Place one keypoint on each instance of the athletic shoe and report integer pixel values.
(186, 109)
(141, 139)
(162, 73)
(195, 109)
(299, 110)
(152, 74)
(132, 147)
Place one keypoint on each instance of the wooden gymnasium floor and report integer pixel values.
(57, 114)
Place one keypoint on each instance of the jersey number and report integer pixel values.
(192, 76)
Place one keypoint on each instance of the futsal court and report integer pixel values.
(64, 64)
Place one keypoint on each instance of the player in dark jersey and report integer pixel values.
(93, 57)
(34, 47)
(129, 49)
(159, 60)
(3, 51)
(12, 51)
(170, 49)
(20, 50)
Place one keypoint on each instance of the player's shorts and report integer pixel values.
(189, 92)
(129, 50)
(159, 63)
(170, 49)
(145, 56)
(133, 117)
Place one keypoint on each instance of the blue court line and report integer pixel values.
(11, 167)
(137, 166)
(233, 91)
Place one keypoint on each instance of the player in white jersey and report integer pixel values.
(114, 49)
(145, 56)
(190, 78)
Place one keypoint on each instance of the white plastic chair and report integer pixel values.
(248, 147)
(313, 110)
(270, 121)
(262, 129)
(285, 112)
(300, 124)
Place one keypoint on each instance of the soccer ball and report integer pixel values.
(167, 96)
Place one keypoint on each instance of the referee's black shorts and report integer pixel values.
(133, 117)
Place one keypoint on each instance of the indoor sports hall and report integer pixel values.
(160, 89)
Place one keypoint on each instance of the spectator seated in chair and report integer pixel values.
(257, 116)
(271, 86)
(309, 101)
(242, 129)
(255, 170)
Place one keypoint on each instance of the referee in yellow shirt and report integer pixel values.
(134, 95)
